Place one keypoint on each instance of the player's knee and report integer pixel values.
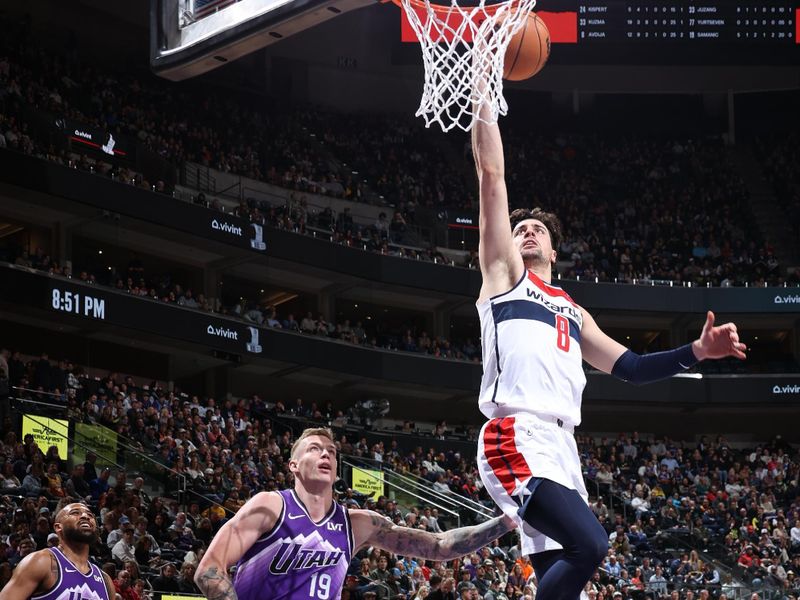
(596, 546)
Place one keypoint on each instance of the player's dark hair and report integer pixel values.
(550, 220)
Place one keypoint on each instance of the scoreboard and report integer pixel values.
(673, 31)
(764, 32)
(726, 21)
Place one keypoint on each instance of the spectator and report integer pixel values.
(124, 549)
(167, 580)
(123, 586)
(186, 583)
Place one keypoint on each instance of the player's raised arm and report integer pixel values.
(370, 528)
(32, 575)
(501, 264)
(234, 538)
(609, 356)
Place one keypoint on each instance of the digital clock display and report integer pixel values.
(76, 303)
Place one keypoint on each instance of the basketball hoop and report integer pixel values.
(463, 48)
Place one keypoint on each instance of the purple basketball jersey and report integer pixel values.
(298, 558)
(72, 584)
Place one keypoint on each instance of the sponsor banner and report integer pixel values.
(107, 194)
(663, 298)
(462, 220)
(90, 138)
(786, 389)
(47, 432)
(100, 440)
(777, 389)
(240, 230)
(787, 299)
(367, 481)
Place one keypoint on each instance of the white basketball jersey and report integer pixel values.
(532, 361)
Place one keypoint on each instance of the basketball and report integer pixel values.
(528, 50)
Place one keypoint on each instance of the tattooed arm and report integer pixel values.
(371, 528)
(215, 583)
(234, 538)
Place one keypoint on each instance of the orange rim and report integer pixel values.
(442, 9)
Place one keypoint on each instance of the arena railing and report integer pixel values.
(475, 510)
(396, 488)
(417, 482)
(731, 580)
(112, 449)
(238, 188)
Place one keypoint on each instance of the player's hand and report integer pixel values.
(718, 342)
(509, 522)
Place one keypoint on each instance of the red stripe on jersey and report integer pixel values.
(549, 289)
(492, 451)
(508, 447)
(508, 465)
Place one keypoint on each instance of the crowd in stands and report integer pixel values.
(162, 288)
(734, 510)
(780, 158)
(644, 208)
(635, 208)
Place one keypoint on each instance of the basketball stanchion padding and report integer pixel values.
(464, 52)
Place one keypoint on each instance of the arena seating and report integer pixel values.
(707, 518)
(635, 208)
(161, 287)
(661, 500)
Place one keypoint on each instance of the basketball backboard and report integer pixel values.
(190, 37)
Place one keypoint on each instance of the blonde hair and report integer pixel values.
(311, 431)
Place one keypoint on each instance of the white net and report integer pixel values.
(463, 49)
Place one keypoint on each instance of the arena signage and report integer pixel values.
(222, 332)
(252, 232)
(368, 481)
(226, 227)
(786, 389)
(462, 220)
(102, 441)
(106, 194)
(76, 300)
(787, 299)
(47, 432)
(90, 138)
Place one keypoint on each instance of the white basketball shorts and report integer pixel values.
(512, 450)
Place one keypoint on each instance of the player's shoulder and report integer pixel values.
(42, 562)
(266, 499)
(263, 504)
(45, 555)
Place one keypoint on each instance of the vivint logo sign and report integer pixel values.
(256, 240)
(786, 389)
(223, 332)
(787, 299)
(230, 334)
(226, 227)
